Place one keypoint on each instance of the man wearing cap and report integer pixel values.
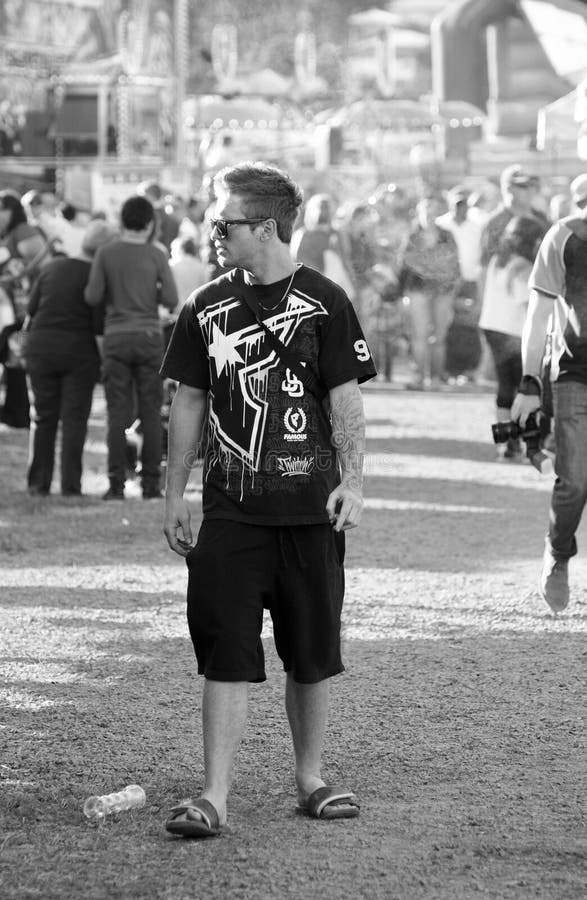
(558, 304)
(519, 191)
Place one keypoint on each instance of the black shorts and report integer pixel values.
(238, 570)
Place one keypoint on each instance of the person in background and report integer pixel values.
(391, 226)
(357, 246)
(484, 200)
(392, 205)
(467, 234)
(188, 269)
(63, 364)
(503, 312)
(74, 224)
(24, 250)
(519, 197)
(132, 276)
(166, 222)
(463, 348)
(41, 208)
(316, 235)
(520, 192)
(559, 207)
(355, 231)
(207, 244)
(317, 243)
(385, 322)
(429, 278)
(558, 308)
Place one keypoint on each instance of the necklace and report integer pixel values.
(284, 295)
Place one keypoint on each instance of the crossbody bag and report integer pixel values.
(294, 362)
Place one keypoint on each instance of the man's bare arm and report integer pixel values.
(345, 503)
(186, 420)
(536, 326)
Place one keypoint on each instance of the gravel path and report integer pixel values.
(460, 721)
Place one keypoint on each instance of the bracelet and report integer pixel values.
(531, 386)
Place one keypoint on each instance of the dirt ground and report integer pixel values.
(460, 721)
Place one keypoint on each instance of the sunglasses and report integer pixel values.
(221, 225)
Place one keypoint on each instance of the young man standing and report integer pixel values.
(282, 481)
(132, 276)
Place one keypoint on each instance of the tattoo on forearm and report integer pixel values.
(348, 436)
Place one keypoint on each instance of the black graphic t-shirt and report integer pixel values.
(269, 460)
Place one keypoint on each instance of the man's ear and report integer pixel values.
(269, 228)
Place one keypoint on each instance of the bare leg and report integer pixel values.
(224, 714)
(307, 711)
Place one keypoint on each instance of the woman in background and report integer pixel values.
(63, 364)
(429, 279)
(317, 243)
(505, 301)
(24, 250)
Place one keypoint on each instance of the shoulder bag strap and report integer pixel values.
(292, 361)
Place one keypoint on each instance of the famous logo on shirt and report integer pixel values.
(241, 362)
(295, 423)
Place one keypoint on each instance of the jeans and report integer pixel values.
(430, 317)
(506, 350)
(569, 494)
(62, 391)
(131, 372)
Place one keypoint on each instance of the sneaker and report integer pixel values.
(554, 582)
(113, 493)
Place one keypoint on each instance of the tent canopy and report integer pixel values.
(561, 28)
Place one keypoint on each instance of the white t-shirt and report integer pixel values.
(467, 236)
(505, 298)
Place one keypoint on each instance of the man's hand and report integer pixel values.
(177, 525)
(345, 507)
(523, 406)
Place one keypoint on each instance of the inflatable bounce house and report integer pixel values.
(510, 58)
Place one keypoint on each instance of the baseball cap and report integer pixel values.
(578, 189)
(516, 176)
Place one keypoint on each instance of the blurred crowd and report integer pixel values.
(438, 279)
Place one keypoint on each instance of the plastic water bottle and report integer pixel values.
(132, 797)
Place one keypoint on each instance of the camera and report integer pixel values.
(534, 434)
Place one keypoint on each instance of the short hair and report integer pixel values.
(137, 213)
(266, 192)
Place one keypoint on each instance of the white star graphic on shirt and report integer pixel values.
(223, 350)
